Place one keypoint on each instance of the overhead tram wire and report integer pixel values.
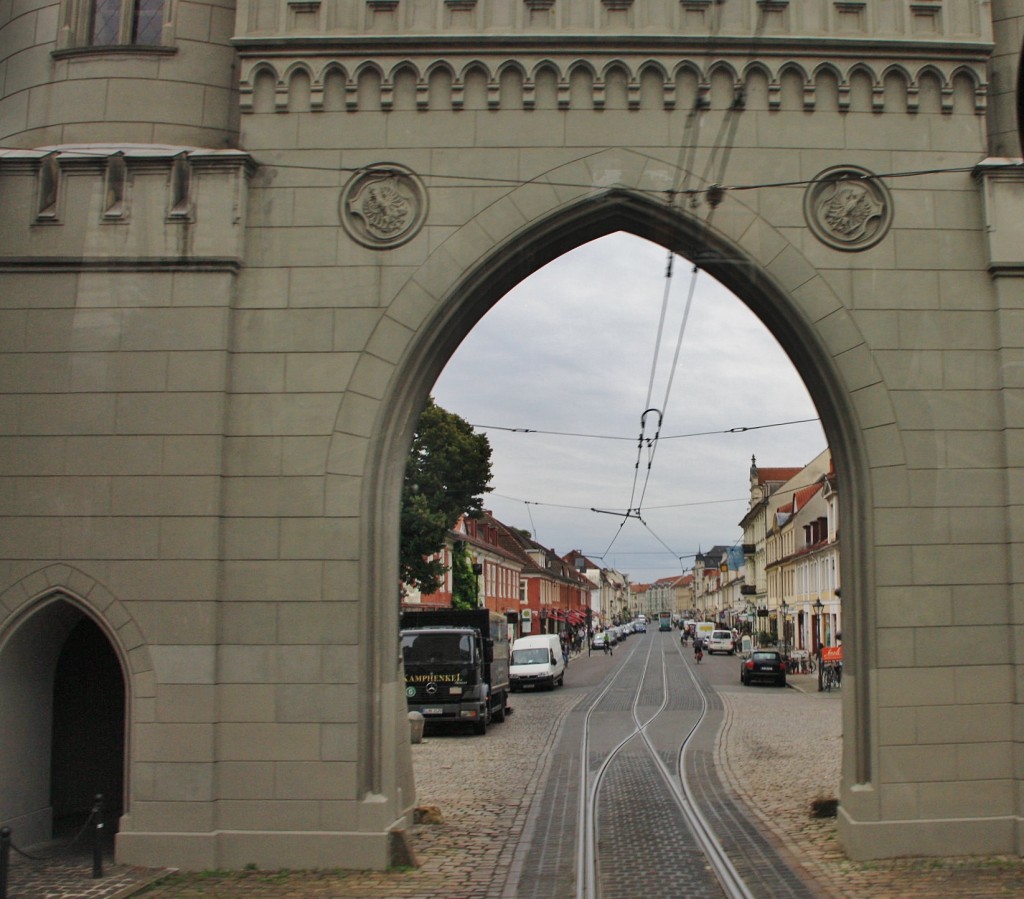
(741, 429)
(684, 167)
(629, 513)
(616, 512)
(671, 377)
(691, 131)
(726, 137)
(714, 194)
(474, 181)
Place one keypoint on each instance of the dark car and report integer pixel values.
(764, 664)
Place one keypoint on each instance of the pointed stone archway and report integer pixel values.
(527, 229)
(210, 375)
(65, 700)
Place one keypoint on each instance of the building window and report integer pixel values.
(126, 22)
(96, 25)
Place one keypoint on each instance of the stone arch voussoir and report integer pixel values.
(66, 583)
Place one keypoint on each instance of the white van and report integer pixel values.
(704, 630)
(536, 661)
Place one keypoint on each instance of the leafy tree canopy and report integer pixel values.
(465, 587)
(448, 471)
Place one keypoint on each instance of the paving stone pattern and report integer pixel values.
(642, 838)
(778, 749)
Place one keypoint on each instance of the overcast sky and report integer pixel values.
(571, 350)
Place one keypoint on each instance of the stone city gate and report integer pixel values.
(239, 245)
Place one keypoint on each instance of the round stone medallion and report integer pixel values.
(848, 208)
(383, 206)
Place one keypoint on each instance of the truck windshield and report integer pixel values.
(428, 649)
(540, 656)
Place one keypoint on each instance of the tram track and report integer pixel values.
(594, 779)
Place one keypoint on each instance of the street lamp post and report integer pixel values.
(818, 606)
(785, 628)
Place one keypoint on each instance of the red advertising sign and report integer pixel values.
(831, 653)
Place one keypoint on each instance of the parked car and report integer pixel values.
(720, 641)
(764, 664)
(597, 641)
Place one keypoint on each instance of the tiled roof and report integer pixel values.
(776, 474)
(802, 497)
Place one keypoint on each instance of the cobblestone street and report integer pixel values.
(778, 750)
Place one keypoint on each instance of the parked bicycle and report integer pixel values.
(831, 676)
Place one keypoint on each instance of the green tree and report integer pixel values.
(465, 588)
(447, 473)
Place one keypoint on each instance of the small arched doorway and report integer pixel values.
(87, 743)
(63, 701)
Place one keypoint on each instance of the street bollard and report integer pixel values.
(416, 727)
(97, 837)
(5, 858)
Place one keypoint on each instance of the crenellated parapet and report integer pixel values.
(124, 207)
(921, 20)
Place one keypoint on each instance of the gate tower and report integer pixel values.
(240, 241)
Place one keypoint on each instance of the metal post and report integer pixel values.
(818, 606)
(5, 858)
(97, 837)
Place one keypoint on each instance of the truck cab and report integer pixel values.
(456, 666)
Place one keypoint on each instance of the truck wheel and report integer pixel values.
(499, 715)
(480, 727)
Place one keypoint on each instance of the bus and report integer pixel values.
(664, 621)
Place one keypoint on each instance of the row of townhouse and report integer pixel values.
(673, 594)
(536, 589)
(783, 582)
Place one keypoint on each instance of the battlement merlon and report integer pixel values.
(924, 21)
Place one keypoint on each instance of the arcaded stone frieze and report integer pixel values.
(327, 82)
(923, 20)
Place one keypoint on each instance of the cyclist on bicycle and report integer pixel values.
(698, 649)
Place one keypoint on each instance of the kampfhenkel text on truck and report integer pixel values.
(456, 665)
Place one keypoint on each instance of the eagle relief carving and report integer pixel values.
(848, 208)
(383, 206)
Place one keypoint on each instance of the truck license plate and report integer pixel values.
(433, 711)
